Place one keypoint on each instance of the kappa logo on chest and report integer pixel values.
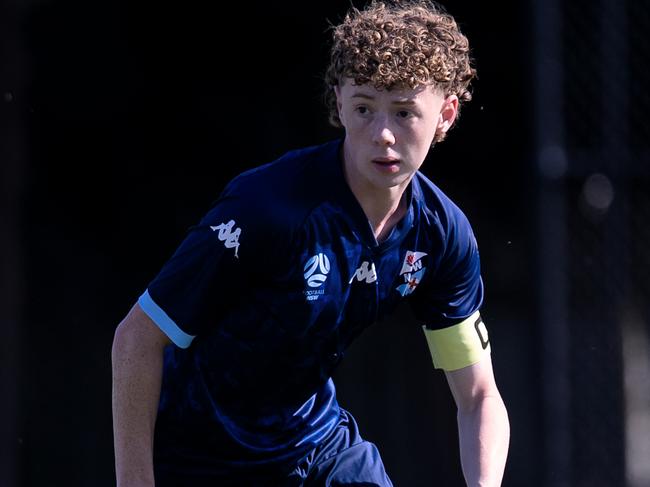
(366, 272)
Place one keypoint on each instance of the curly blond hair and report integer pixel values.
(399, 43)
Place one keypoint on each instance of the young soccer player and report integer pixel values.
(222, 370)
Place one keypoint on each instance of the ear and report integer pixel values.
(448, 114)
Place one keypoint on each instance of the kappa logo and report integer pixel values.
(365, 272)
(413, 271)
(315, 273)
(229, 237)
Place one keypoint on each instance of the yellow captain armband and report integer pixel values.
(459, 345)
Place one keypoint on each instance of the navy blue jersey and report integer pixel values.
(268, 290)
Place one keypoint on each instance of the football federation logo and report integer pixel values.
(315, 273)
(413, 271)
(226, 234)
(321, 263)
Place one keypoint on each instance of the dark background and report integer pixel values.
(122, 122)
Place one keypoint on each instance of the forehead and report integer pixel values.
(398, 95)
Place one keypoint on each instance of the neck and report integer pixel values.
(383, 207)
(385, 219)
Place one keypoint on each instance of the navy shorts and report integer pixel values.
(343, 459)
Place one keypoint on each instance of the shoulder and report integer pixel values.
(288, 172)
(453, 289)
(439, 211)
(285, 190)
(267, 206)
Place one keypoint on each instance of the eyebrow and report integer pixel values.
(406, 102)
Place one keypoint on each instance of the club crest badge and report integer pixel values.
(412, 271)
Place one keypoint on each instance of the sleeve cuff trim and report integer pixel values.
(164, 322)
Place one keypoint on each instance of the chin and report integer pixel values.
(392, 181)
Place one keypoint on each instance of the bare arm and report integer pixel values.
(137, 371)
(483, 426)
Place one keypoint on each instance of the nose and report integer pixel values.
(382, 134)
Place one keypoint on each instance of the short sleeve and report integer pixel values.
(454, 290)
(207, 272)
(448, 301)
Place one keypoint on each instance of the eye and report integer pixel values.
(404, 114)
(361, 109)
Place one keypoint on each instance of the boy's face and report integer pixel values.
(388, 133)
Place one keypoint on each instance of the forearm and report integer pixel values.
(484, 433)
(137, 372)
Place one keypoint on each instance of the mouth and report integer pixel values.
(387, 164)
(386, 161)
